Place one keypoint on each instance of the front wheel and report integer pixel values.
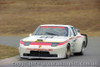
(68, 52)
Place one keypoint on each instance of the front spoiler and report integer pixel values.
(30, 57)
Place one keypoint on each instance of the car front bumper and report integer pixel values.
(57, 52)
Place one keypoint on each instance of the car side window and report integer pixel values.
(74, 32)
(71, 33)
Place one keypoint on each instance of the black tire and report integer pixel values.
(21, 58)
(68, 53)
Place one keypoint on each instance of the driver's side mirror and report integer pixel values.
(30, 35)
(78, 30)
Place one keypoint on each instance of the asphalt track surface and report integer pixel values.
(90, 59)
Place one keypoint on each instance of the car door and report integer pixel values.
(73, 38)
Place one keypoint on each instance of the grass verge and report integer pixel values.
(7, 51)
(21, 17)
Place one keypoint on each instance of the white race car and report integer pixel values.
(52, 41)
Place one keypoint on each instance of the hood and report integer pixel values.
(45, 38)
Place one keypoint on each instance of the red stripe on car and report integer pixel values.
(21, 42)
(37, 43)
(63, 42)
(39, 49)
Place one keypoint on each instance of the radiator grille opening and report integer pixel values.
(40, 54)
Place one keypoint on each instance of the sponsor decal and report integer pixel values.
(40, 49)
(39, 40)
(40, 46)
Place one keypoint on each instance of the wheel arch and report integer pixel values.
(79, 44)
(68, 44)
(86, 39)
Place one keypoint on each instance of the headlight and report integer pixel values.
(27, 43)
(54, 44)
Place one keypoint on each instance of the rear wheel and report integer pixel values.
(68, 52)
(82, 49)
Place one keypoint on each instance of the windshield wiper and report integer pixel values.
(51, 33)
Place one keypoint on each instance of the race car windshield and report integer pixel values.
(52, 30)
